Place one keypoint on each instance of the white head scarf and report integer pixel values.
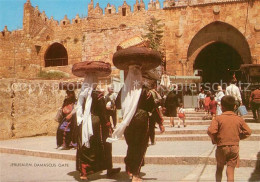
(85, 118)
(130, 95)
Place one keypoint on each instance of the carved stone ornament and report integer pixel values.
(257, 27)
(216, 10)
(178, 33)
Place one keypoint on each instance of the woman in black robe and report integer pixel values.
(99, 155)
(171, 104)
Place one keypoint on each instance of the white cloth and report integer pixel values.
(165, 81)
(219, 96)
(130, 95)
(181, 110)
(85, 118)
(234, 91)
(201, 96)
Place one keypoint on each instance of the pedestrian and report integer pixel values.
(213, 106)
(110, 105)
(201, 99)
(155, 116)
(136, 102)
(219, 96)
(171, 104)
(65, 134)
(255, 103)
(181, 115)
(226, 131)
(206, 102)
(93, 153)
(234, 91)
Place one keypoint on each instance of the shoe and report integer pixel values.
(64, 148)
(130, 175)
(113, 171)
(136, 178)
(152, 143)
(185, 125)
(83, 177)
(178, 126)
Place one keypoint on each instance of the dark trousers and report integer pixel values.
(151, 129)
(256, 109)
(113, 114)
(136, 136)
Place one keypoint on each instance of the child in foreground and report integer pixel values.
(226, 131)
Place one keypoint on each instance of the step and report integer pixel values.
(200, 118)
(173, 152)
(195, 137)
(191, 129)
(189, 122)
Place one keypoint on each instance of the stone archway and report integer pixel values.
(219, 46)
(56, 55)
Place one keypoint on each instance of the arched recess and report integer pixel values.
(218, 39)
(219, 32)
(56, 55)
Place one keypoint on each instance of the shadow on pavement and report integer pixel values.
(255, 176)
(122, 176)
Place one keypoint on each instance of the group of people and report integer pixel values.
(84, 124)
(210, 102)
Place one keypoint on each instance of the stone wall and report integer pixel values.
(96, 37)
(28, 108)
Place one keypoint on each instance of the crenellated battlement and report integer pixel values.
(95, 11)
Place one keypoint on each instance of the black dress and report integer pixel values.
(136, 134)
(171, 104)
(99, 156)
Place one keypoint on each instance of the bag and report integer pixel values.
(59, 116)
(181, 115)
(242, 110)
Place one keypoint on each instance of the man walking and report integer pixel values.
(255, 103)
(234, 91)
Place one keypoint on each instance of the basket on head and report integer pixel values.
(98, 68)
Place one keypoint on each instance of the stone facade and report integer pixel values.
(28, 108)
(189, 27)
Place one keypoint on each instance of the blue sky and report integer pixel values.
(11, 11)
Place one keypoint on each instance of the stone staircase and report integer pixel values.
(177, 146)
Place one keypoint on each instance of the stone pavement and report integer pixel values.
(21, 168)
(180, 154)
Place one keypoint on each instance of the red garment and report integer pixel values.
(213, 106)
(206, 103)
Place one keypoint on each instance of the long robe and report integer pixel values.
(99, 155)
(136, 133)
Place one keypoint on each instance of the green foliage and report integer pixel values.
(154, 34)
(51, 75)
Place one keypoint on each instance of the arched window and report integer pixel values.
(56, 55)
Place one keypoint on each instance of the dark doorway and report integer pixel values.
(56, 55)
(218, 62)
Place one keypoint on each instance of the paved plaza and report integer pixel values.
(180, 154)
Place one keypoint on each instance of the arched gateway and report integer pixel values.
(216, 49)
(56, 55)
